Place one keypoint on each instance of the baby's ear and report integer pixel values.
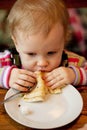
(13, 38)
(15, 42)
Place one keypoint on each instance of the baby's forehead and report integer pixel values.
(52, 41)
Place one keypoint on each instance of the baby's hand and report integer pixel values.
(59, 77)
(20, 79)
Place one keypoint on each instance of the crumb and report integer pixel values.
(19, 105)
(30, 112)
(25, 110)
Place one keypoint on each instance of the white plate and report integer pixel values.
(57, 111)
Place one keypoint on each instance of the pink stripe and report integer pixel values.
(84, 76)
(8, 75)
(6, 71)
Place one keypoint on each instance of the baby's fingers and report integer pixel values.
(27, 78)
(59, 84)
(20, 78)
(25, 83)
(19, 87)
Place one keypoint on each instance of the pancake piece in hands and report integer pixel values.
(54, 91)
(40, 91)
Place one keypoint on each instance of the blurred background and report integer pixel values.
(78, 23)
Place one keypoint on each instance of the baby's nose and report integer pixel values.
(42, 62)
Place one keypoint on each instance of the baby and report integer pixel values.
(40, 30)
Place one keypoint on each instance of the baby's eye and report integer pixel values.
(31, 54)
(51, 52)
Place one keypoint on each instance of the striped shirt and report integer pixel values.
(69, 59)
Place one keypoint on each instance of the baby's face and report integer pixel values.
(39, 52)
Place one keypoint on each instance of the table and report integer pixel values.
(6, 123)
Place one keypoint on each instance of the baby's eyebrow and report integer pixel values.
(28, 52)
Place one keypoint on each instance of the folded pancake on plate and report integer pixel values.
(40, 91)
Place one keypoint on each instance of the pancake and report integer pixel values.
(40, 91)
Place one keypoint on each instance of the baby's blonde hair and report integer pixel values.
(33, 16)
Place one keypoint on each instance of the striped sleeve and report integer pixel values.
(4, 76)
(79, 65)
(81, 75)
